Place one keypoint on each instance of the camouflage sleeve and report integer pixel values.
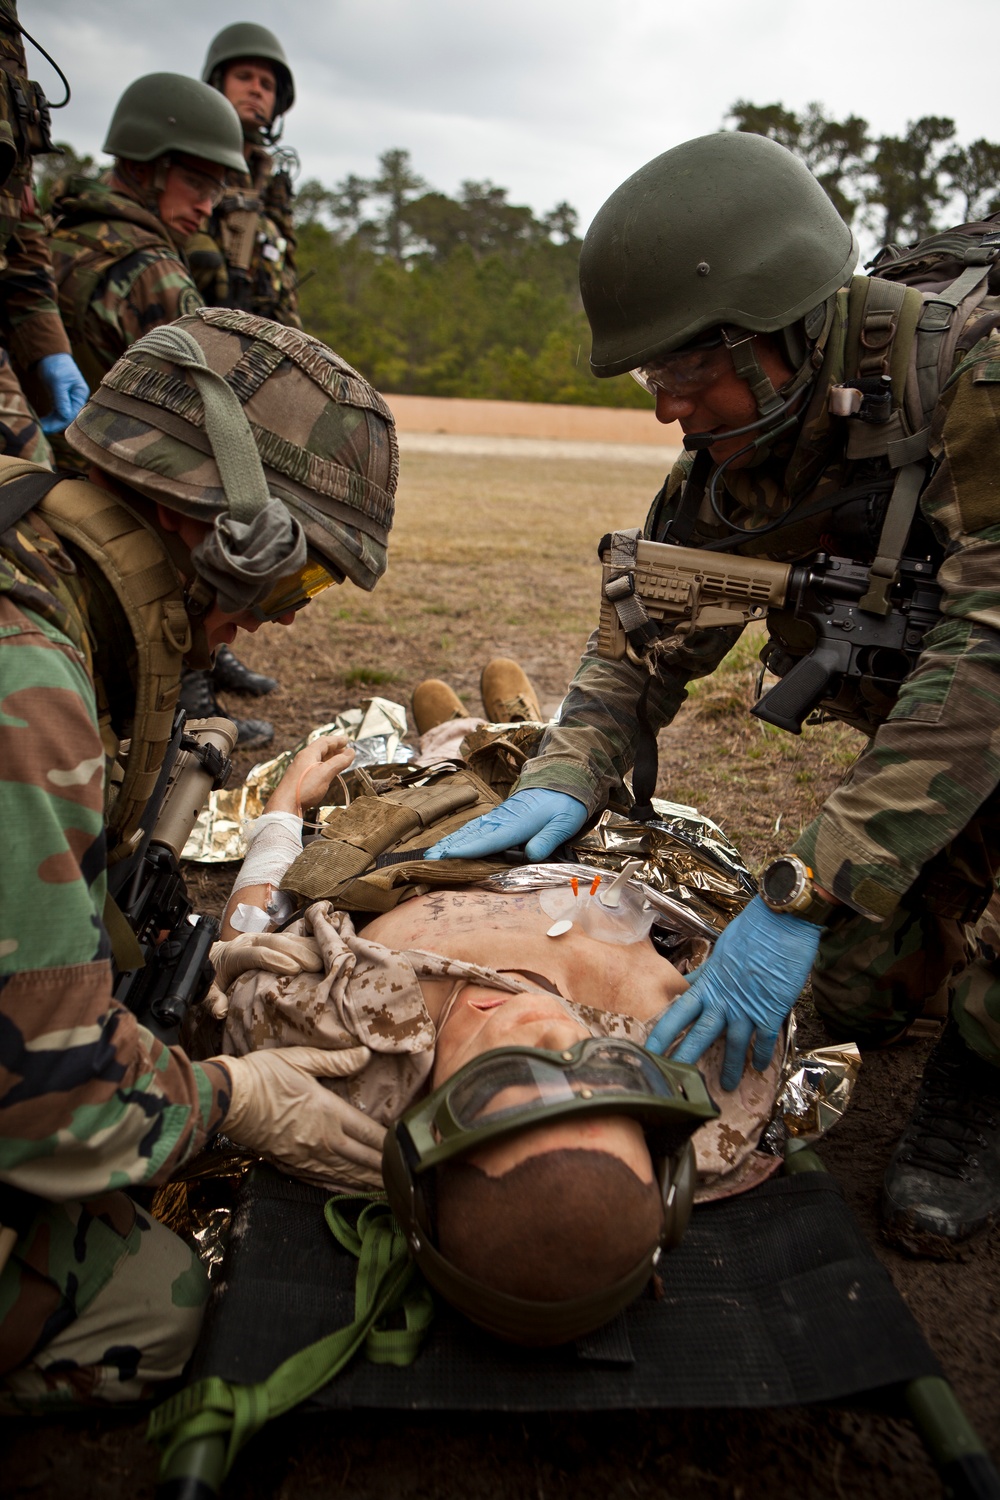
(592, 744)
(89, 1100)
(937, 757)
(139, 293)
(29, 309)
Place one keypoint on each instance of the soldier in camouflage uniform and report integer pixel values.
(118, 246)
(192, 524)
(715, 274)
(245, 257)
(32, 336)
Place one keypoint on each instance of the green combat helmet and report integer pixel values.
(165, 113)
(727, 229)
(244, 39)
(263, 431)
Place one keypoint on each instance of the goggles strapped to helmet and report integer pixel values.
(509, 1091)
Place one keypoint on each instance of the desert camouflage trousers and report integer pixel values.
(20, 434)
(98, 1302)
(938, 953)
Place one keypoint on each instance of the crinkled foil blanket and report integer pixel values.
(687, 869)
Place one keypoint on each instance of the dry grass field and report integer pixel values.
(496, 555)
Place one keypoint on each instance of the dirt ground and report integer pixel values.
(495, 554)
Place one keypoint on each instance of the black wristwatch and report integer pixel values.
(786, 885)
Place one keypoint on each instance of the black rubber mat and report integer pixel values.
(774, 1298)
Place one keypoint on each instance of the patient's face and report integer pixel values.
(482, 1020)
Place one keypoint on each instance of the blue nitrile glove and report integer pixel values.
(750, 981)
(536, 817)
(67, 388)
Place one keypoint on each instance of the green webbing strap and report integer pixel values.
(899, 515)
(387, 1281)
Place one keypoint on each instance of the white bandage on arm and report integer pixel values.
(273, 841)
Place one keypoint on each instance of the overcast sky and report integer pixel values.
(552, 99)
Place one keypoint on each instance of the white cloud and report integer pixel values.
(553, 99)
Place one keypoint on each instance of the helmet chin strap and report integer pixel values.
(766, 427)
(774, 406)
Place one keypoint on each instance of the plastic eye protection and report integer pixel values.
(686, 372)
(203, 189)
(515, 1088)
(295, 591)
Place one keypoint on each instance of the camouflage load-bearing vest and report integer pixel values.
(250, 233)
(96, 228)
(134, 560)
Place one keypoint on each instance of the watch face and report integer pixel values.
(781, 879)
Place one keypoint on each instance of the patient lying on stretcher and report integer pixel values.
(469, 964)
(418, 992)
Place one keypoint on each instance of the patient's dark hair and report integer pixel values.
(559, 1225)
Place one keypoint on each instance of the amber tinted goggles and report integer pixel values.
(295, 591)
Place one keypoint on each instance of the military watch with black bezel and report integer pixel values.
(786, 885)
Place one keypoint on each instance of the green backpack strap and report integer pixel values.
(387, 1282)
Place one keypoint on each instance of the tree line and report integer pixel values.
(473, 295)
(898, 187)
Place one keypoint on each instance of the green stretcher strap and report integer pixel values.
(387, 1282)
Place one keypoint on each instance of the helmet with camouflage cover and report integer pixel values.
(244, 39)
(165, 113)
(262, 431)
(727, 229)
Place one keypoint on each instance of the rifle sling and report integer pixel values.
(895, 530)
(646, 765)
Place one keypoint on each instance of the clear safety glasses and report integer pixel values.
(295, 591)
(516, 1088)
(199, 185)
(688, 370)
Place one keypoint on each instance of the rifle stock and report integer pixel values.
(856, 662)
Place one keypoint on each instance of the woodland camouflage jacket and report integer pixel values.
(118, 272)
(89, 1100)
(936, 758)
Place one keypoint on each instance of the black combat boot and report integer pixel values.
(942, 1185)
(230, 675)
(198, 702)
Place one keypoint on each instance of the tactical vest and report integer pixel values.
(370, 855)
(134, 561)
(252, 230)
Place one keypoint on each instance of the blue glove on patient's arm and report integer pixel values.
(67, 388)
(749, 982)
(536, 817)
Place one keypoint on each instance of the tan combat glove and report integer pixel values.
(280, 1110)
(277, 952)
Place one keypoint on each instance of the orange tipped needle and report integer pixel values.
(574, 886)
(594, 884)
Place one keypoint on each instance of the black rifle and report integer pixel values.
(148, 887)
(831, 651)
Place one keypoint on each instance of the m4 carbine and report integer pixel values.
(166, 968)
(844, 643)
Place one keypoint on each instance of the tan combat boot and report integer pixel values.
(508, 696)
(434, 702)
